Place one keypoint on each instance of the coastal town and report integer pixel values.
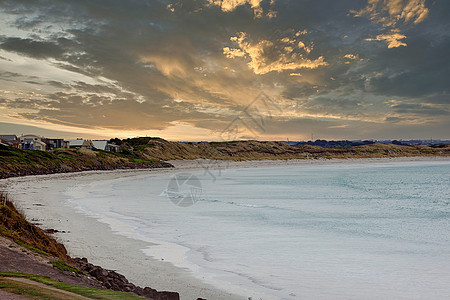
(35, 142)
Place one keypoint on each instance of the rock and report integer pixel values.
(115, 281)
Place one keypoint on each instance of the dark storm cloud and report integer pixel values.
(31, 48)
(443, 98)
(342, 106)
(411, 108)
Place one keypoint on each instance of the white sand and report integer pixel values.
(42, 200)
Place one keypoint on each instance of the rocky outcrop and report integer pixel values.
(115, 281)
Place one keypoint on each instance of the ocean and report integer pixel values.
(331, 231)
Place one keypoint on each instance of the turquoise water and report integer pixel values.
(340, 231)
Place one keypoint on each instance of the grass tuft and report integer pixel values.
(63, 266)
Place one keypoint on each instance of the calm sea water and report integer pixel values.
(341, 231)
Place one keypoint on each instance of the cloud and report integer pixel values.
(393, 14)
(230, 5)
(279, 55)
(393, 39)
(351, 56)
(390, 13)
(420, 109)
(33, 48)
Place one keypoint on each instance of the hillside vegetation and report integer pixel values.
(14, 226)
(17, 162)
(33, 286)
(160, 149)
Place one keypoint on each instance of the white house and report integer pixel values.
(32, 142)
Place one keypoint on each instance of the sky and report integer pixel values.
(226, 69)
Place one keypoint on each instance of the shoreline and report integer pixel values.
(55, 212)
(49, 208)
(223, 164)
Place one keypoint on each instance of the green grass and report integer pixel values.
(138, 160)
(24, 290)
(41, 293)
(63, 266)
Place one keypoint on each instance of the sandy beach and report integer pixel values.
(43, 201)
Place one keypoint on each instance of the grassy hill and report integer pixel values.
(17, 162)
(160, 149)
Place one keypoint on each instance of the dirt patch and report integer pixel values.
(46, 287)
(19, 259)
(9, 296)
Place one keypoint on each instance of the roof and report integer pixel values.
(100, 145)
(9, 137)
(76, 142)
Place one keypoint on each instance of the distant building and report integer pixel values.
(16, 144)
(81, 143)
(9, 137)
(32, 142)
(104, 145)
(10, 140)
(4, 142)
(113, 148)
(54, 143)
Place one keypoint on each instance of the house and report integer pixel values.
(4, 142)
(53, 143)
(113, 148)
(81, 143)
(10, 140)
(32, 142)
(16, 144)
(9, 137)
(104, 145)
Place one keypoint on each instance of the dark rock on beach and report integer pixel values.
(115, 281)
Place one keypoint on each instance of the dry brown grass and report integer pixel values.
(14, 226)
(159, 149)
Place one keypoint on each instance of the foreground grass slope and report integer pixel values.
(42, 287)
(160, 149)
